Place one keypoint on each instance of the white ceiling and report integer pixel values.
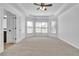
(30, 8)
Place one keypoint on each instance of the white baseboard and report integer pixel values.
(70, 43)
(19, 40)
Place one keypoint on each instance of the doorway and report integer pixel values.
(5, 36)
(9, 29)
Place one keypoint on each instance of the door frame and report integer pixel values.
(14, 26)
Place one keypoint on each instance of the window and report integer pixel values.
(44, 24)
(41, 27)
(44, 31)
(38, 24)
(38, 30)
(5, 23)
(38, 27)
(29, 27)
(29, 24)
(29, 30)
(44, 27)
(53, 26)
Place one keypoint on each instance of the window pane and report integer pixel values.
(44, 31)
(44, 27)
(38, 24)
(44, 24)
(38, 30)
(41, 27)
(29, 30)
(29, 24)
(5, 23)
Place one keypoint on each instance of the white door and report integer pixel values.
(11, 28)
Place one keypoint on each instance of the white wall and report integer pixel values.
(20, 27)
(53, 18)
(68, 26)
(1, 32)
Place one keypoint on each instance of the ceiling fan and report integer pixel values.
(43, 6)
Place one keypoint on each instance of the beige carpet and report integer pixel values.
(41, 46)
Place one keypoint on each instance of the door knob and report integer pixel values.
(9, 30)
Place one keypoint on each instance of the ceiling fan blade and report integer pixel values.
(48, 5)
(37, 4)
(42, 4)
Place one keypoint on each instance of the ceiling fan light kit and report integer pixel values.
(43, 6)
